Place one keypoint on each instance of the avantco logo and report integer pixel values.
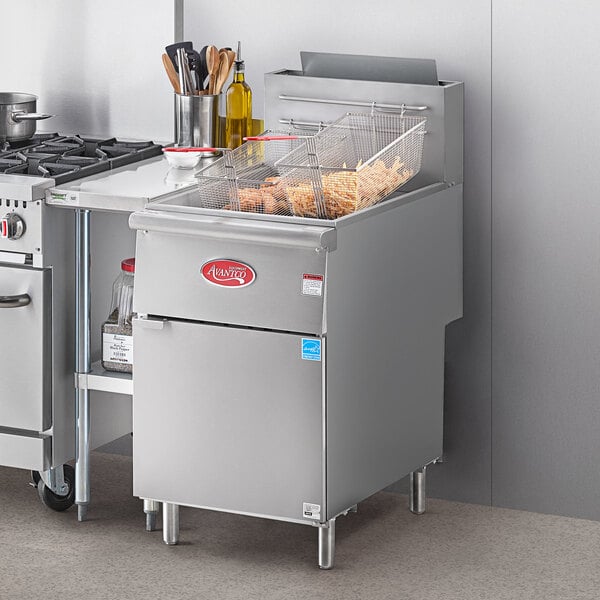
(228, 273)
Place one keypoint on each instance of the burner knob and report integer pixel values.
(12, 227)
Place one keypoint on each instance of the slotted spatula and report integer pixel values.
(172, 51)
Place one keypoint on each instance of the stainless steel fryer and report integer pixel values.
(290, 367)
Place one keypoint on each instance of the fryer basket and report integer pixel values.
(351, 164)
(245, 178)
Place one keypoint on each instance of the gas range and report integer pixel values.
(66, 158)
(37, 295)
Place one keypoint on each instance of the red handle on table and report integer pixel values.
(192, 149)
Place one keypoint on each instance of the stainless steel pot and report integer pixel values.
(17, 116)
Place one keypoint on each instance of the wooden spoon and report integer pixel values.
(223, 72)
(212, 63)
(172, 73)
(230, 56)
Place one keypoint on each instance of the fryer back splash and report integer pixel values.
(301, 103)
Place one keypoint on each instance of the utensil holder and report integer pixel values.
(197, 121)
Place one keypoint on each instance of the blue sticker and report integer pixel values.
(311, 349)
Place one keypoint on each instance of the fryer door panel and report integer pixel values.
(25, 350)
(226, 418)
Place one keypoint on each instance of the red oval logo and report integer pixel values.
(228, 273)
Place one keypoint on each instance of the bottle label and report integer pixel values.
(117, 348)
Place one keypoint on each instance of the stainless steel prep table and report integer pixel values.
(122, 190)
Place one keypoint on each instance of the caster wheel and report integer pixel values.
(35, 477)
(54, 501)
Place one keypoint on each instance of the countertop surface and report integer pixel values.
(127, 189)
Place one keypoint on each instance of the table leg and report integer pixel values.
(82, 361)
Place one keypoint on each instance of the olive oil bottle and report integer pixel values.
(238, 115)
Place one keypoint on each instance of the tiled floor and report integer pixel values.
(453, 552)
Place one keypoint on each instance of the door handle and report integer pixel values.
(15, 301)
(151, 323)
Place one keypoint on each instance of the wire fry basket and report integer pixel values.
(245, 179)
(351, 164)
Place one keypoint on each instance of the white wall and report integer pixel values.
(457, 34)
(546, 257)
(96, 65)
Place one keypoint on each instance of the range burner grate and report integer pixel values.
(65, 158)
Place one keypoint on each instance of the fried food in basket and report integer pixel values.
(344, 192)
(267, 198)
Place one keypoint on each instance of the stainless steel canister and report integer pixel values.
(17, 116)
(197, 120)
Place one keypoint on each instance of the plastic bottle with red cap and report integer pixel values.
(117, 332)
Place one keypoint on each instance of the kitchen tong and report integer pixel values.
(195, 60)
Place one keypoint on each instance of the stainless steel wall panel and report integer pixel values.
(546, 248)
(94, 65)
(111, 418)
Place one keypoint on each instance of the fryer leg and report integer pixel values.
(327, 544)
(151, 508)
(417, 491)
(170, 523)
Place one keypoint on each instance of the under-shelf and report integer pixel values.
(104, 381)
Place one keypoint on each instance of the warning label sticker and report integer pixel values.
(312, 285)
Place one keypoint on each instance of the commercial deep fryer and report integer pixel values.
(290, 367)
